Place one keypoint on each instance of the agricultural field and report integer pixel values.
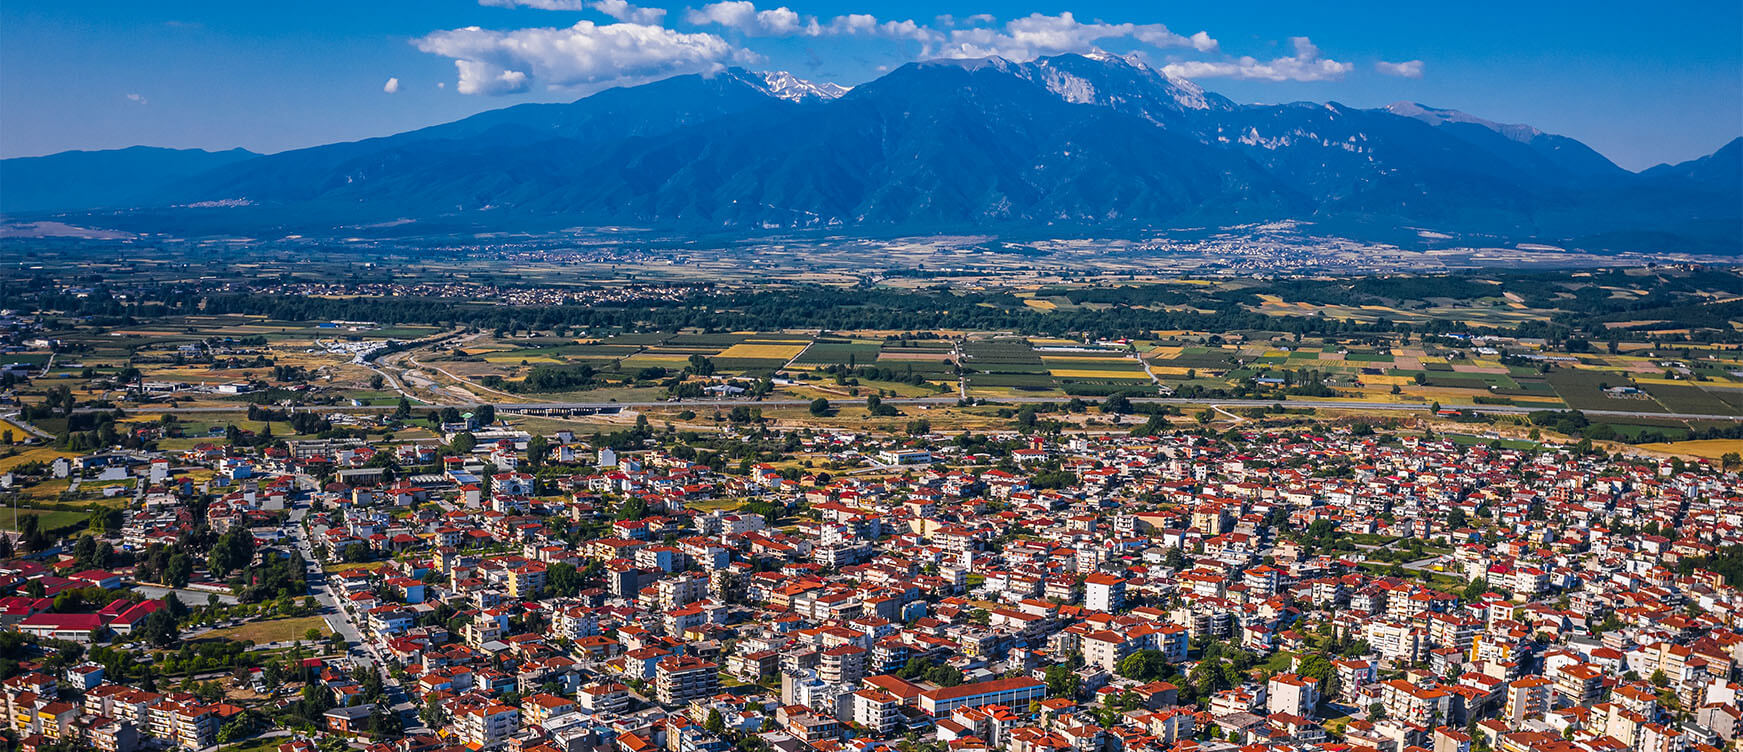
(1452, 339)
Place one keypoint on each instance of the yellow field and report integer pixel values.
(40, 454)
(1164, 353)
(1387, 380)
(1170, 370)
(1084, 373)
(1040, 305)
(656, 358)
(1708, 448)
(783, 352)
(18, 432)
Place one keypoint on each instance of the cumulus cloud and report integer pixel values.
(1036, 34)
(136, 98)
(623, 11)
(1406, 69)
(1305, 65)
(869, 25)
(502, 62)
(392, 86)
(618, 9)
(742, 16)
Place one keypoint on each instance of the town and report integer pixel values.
(1349, 585)
(754, 376)
(318, 511)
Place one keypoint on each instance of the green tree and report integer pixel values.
(1321, 670)
(563, 579)
(820, 407)
(1063, 682)
(1144, 665)
(1475, 590)
(463, 443)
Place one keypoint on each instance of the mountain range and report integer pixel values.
(1076, 143)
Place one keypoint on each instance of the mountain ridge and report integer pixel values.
(1067, 140)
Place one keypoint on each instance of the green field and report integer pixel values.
(1583, 390)
(1681, 398)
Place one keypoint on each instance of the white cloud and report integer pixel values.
(1035, 35)
(618, 9)
(1406, 69)
(623, 11)
(392, 86)
(501, 62)
(1305, 65)
(869, 25)
(136, 98)
(742, 16)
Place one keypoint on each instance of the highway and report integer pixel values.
(513, 407)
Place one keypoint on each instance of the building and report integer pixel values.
(679, 679)
(488, 725)
(1104, 592)
(1526, 698)
(877, 710)
(1292, 694)
(1407, 702)
(842, 664)
(1014, 692)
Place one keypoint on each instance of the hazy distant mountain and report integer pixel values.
(1723, 169)
(1072, 141)
(92, 179)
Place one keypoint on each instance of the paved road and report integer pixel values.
(17, 419)
(1421, 564)
(360, 649)
(1331, 404)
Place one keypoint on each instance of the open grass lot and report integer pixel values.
(272, 630)
(710, 505)
(47, 519)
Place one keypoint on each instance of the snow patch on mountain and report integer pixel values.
(784, 85)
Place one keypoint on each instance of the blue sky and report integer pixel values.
(1642, 84)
